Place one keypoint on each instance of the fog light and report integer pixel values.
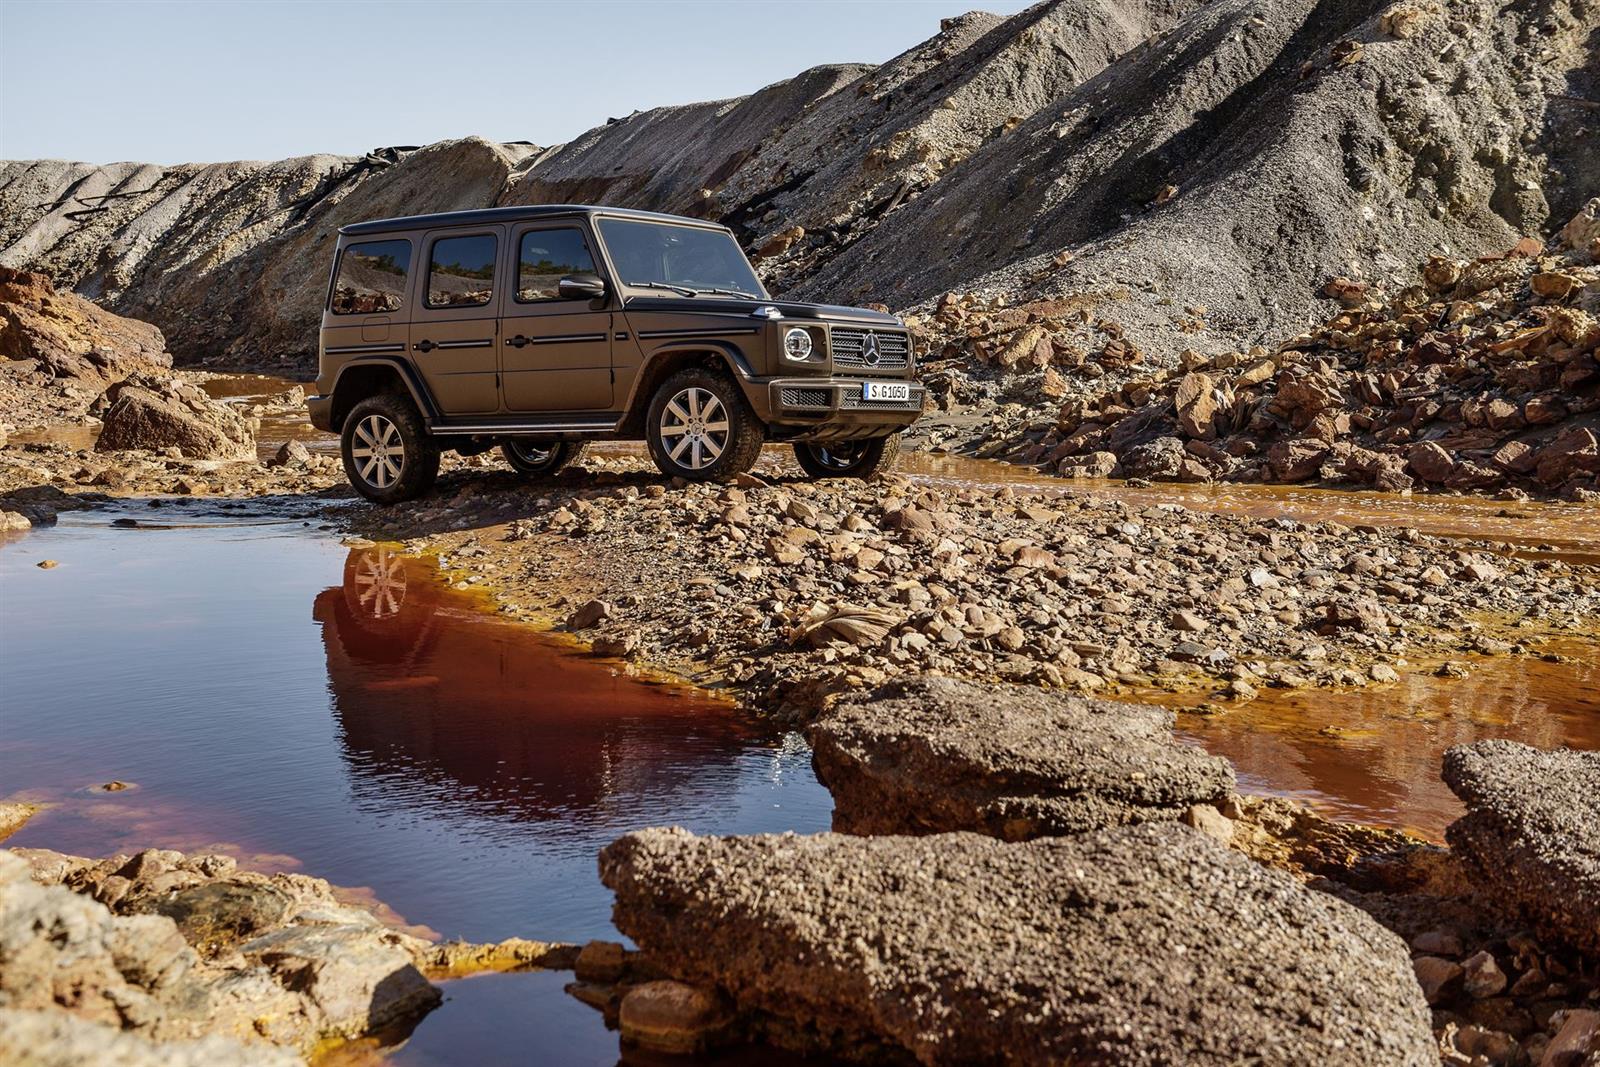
(797, 344)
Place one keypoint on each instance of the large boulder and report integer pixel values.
(1531, 834)
(929, 755)
(155, 414)
(1144, 944)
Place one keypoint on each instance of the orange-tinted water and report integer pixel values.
(1373, 755)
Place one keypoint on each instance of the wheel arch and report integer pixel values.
(669, 360)
(363, 378)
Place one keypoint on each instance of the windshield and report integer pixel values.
(682, 258)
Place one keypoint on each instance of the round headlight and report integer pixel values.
(797, 344)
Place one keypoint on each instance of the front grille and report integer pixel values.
(794, 397)
(851, 348)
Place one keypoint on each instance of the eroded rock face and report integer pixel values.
(930, 755)
(1146, 944)
(73, 337)
(177, 948)
(1531, 834)
(153, 414)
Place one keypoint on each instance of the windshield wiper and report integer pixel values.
(682, 290)
(733, 292)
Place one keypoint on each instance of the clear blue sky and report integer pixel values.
(170, 82)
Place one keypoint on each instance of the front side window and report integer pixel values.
(545, 257)
(461, 271)
(656, 255)
(372, 278)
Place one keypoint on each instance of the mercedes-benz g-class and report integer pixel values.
(539, 329)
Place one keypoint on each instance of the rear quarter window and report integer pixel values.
(372, 278)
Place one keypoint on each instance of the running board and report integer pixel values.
(572, 426)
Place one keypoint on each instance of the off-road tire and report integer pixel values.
(848, 459)
(745, 433)
(419, 456)
(561, 454)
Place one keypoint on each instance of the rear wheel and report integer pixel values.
(848, 459)
(541, 459)
(700, 428)
(388, 455)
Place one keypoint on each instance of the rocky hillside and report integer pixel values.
(1189, 172)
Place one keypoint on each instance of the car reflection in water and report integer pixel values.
(449, 711)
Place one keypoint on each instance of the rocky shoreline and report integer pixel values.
(788, 592)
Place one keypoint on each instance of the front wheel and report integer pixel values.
(541, 459)
(388, 455)
(699, 428)
(848, 459)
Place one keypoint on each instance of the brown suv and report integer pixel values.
(542, 328)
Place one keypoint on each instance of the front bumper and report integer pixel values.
(834, 408)
(320, 408)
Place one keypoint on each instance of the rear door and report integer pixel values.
(454, 326)
(556, 354)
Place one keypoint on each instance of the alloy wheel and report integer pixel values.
(379, 451)
(694, 428)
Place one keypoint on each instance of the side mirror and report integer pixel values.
(582, 287)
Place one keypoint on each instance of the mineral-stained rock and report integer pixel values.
(156, 414)
(1145, 944)
(928, 755)
(57, 1039)
(1531, 834)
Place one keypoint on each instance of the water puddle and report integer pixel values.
(1373, 755)
(267, 692)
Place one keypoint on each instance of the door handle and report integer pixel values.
(518, 341)
(424, 346)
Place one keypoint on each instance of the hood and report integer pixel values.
(791, 309)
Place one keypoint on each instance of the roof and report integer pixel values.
(485, 216)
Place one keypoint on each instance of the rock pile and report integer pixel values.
(150, 414)
(173, 947)
(953, 948)
(59, 351)
(931, 755)
(1483, 377)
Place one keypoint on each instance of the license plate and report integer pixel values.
(885, 391)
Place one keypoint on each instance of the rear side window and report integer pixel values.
(545, 257)
(461, 271)
(372, 278)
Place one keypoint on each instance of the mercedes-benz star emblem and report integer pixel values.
(869, 350)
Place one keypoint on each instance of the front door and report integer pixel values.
(453, 330)
(557, 353)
